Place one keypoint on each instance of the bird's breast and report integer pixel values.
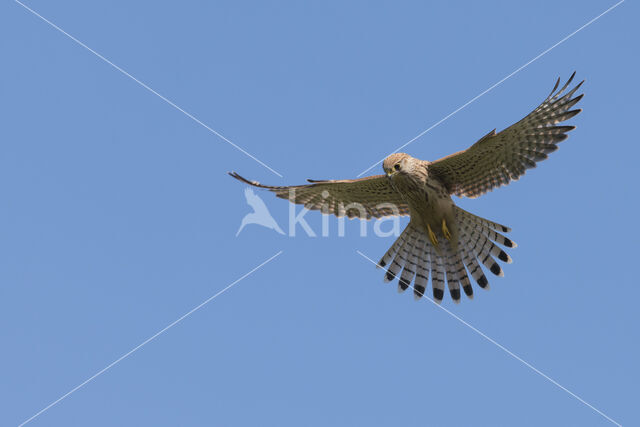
(430, 204)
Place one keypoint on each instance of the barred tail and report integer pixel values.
(412, 257)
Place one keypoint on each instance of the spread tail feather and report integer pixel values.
(413, 258)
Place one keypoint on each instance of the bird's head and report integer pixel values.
(397, 163)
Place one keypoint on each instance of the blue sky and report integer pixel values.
(117, 216)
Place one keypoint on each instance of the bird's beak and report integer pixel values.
(388, 172)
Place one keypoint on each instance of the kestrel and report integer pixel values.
(442, 241)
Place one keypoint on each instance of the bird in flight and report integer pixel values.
(442, 241)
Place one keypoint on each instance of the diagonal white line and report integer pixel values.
(168, 101)
(493, 86)
(510, 353)
(145, 342)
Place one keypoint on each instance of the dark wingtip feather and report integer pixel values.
(577, 99)
(566, 85)
(381, 263)
(555, 87)
(570, 114)
(438, 294)
(502, 256)
(242, 179)
(455, 294)
(508, 242)
(418, 291)
(389, 276)
(403, 284)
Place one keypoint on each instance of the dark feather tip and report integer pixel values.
(495, 269)
(455, 294)
(502, 256)
(468, 290)
(483, 282)
(241, 178)
(390, 276)
(438, 294)
(404, 283)
(555, 87)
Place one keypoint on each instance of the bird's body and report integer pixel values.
(429, 202)
(443, 242)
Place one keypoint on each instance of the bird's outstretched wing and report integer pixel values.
(363, 198)
(496, 159)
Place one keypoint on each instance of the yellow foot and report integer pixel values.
(445, 230)
(432, 236)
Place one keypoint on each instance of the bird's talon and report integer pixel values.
(432, 236)
(445, 230)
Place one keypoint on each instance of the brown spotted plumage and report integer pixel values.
(443, 243)
(498, 158)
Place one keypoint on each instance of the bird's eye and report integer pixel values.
(397, 166)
